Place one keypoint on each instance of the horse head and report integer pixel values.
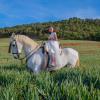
(15, 46)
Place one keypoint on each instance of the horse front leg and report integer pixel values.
(36, 69)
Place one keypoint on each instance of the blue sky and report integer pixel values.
(15, 12)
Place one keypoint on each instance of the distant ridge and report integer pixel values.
(72, 28)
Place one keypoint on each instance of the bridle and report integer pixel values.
(26, 56)
(9, 50)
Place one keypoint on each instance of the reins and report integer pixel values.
(37, 48)
(28, 55)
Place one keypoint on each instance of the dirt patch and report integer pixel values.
(78, 44)
(70, 44)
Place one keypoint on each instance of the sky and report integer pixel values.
(17, 12)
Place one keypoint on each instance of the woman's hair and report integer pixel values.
(50, 27)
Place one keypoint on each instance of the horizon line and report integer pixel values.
(56, 20)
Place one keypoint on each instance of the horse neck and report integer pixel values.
(29, 46)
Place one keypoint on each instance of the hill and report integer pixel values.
(72, 28)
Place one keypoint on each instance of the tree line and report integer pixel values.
(72, 28)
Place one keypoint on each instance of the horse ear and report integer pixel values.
(13, 35)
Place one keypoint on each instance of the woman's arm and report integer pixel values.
(49, 37)
(56, 38)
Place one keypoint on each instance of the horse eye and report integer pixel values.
(13, 45)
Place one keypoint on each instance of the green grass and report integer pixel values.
(82, 83)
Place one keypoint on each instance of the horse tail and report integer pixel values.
(78, 62)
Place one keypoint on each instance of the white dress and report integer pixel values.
(52, 36)
(52, 46)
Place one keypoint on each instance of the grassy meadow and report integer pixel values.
(81, 83)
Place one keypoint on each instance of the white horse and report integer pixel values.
(36, 58)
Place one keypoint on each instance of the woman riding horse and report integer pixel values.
(53, 39)
(35, 57)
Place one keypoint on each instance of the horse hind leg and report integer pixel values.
(73, 64)
(77, 62)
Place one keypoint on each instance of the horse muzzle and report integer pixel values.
(16, 56)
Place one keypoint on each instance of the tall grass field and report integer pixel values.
(80, 83)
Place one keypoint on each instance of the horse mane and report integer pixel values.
(26, 40)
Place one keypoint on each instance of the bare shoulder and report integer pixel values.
(54, 32)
